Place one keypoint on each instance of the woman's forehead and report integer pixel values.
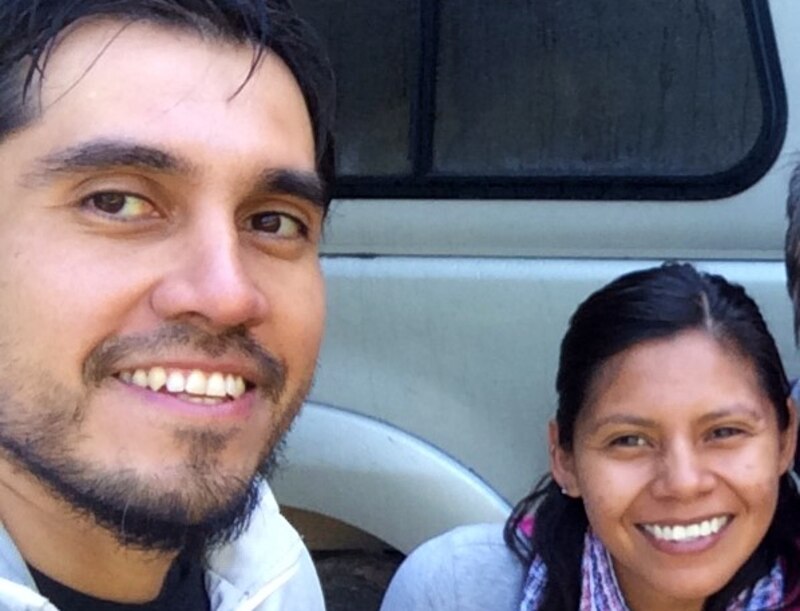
(687, 375)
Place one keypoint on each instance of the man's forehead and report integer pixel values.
(108, 44)
(145, 97)
(156, 75)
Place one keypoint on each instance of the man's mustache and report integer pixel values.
(105, 358)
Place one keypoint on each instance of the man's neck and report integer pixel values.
(72, 549)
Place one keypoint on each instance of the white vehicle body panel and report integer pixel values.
(445, 318)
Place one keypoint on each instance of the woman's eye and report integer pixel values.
(121, 206)
(278, 224)
(724, 432)
(629, 441)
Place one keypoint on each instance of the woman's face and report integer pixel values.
(677, 457)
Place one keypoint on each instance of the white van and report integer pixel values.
(499, 160)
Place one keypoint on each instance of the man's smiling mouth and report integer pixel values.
(680, 533)
(193, 385)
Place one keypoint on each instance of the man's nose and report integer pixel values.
(682, 473)
(209, 282)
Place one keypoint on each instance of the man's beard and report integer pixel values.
(202, 505)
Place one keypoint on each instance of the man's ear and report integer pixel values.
(562, 464)
(789, 437)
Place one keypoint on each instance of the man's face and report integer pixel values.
(161, 302)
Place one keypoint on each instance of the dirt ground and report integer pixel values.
(355, 581)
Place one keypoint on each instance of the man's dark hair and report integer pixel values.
(793, 247)
(28, 29)
(642, 306)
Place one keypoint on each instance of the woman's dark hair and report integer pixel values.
(640, 306)
(28, 29)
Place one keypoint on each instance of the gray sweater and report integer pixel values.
(467, 569)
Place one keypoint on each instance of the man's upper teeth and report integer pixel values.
(685, 532)
(195, 382)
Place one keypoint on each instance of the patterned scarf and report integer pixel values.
(600, 591)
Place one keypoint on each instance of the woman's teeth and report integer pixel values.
(687, 532)
(196, 383)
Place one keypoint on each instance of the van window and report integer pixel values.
(671, 99)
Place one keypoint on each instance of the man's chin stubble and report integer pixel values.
(188, 511)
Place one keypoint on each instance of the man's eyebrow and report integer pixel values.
(105, 154)
(302, 184)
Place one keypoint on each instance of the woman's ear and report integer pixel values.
(562, 464)
(789, 437)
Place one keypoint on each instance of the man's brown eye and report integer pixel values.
(269, 222)
(277, 224)
(120, 206)
(111, 203)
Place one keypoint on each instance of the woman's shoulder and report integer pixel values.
(474, 548)
(467, 569)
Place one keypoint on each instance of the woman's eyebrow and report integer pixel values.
(738, 410)
(628, 419)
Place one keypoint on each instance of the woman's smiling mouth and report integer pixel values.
(687, 532)
(686, 537)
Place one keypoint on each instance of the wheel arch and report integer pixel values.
(379, 478)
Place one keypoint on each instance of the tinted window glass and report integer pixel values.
(552, 98)
(594, 86)
(374, 49)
